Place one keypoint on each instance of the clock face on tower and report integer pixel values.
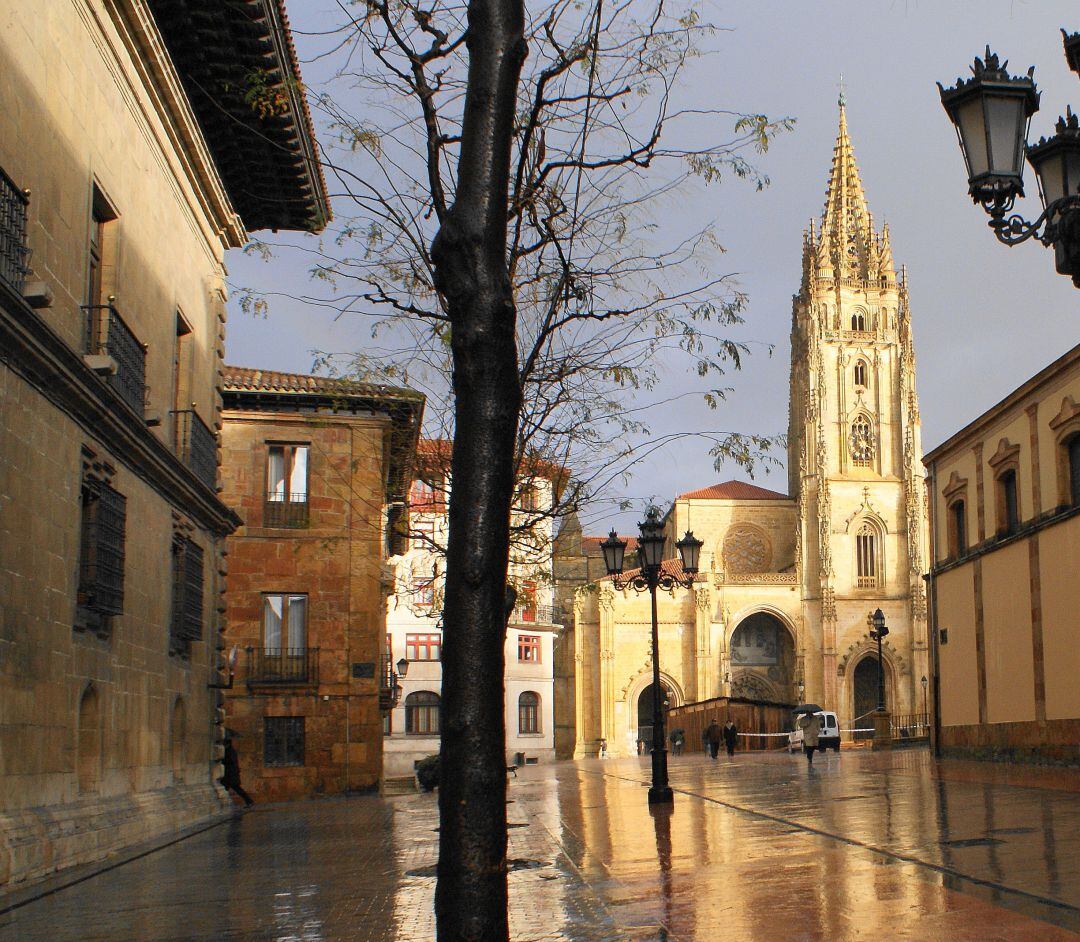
(862, 442)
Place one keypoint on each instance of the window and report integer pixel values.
(422, 593)
(862, 442)
(286, 486)
(425, 495)
(529, 649)
(866, 557)
(283, 741)
(528, 713)
(860, 374)
(1073, 448)
(284, 623)
(527, 601)
(423, 647)
(422, 532)
(1009, 502)
(858, 321)
(957, 528)
(422, 713)
(187, 598)
(99, 262)
(101, 563)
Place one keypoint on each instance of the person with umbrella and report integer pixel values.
(810, 724)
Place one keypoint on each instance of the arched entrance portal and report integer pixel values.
(645, 715)
(763, 659)
(865, 693)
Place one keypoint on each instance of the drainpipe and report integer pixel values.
(931, 618)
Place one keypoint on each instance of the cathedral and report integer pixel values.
(780, 608)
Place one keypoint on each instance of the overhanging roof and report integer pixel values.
(239, 70)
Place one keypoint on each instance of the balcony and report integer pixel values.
(533, 614)
(117, 353)
(196, 446)
(14, 254)
(282, 666)
(286, 510)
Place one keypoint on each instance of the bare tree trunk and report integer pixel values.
(470, 259)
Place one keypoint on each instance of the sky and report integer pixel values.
(985, 317)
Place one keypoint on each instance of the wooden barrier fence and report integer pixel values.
(749, 716)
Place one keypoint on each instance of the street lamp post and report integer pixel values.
(649, 578)
(882, 733)
(992, 112)
(925, 708)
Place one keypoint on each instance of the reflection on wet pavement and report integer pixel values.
(867, 846)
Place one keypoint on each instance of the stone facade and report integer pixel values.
(305, 601)
(780, 609)
(1005, 511)
(111, 336)
(414, 624)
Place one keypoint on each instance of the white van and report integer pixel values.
(828, 738)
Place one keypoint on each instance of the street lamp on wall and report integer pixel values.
(649, 578)
(992, 112)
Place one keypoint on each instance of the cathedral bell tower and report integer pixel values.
(854, 455)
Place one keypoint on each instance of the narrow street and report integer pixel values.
(757, 848)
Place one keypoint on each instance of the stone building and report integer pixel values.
(414, 623)
(1005, 514)
(317, 469)
(780, 609)
(129, 164)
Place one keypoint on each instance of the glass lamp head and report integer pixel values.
(614, 550)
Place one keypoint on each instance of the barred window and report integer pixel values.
(1074, 469)
(283, 740)
(187, 600)
(101, 564)
(1009, 503)
(528, 713)
(957, 528)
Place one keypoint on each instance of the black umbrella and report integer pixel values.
(807, 708)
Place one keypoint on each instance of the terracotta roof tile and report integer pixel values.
(668, 567)
(733, 490)
(247, 379)
(590, 545)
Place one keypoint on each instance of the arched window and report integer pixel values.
(422, 713)
(862, 442)
(858, 321)
(528, 713)
(867, 557)
(1073, 447)
(88, 745)
(957, 528)
(1008, 503)
(178, 740)
(860, 373)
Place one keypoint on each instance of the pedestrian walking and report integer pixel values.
(810, 724)
(713, 734)
(230, 781)
(677, 737)
(731, 736)
(603, 748)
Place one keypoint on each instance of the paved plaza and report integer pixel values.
(867, 846)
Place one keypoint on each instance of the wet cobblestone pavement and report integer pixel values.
(867, 846)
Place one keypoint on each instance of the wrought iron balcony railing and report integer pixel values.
(14, 254)
(107, 334)
(283, 666)
(285, 509)
(196, 446)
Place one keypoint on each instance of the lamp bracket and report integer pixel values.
(647, 581)
(1014, 229)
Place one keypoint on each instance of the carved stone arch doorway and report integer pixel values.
(763, 659)
(640, 703)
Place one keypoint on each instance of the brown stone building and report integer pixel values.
(130, 162)
(318, 469)
(1005, 598)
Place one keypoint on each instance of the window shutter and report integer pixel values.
(107, 560)
(193, 591)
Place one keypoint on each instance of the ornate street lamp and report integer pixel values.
(925, 707)
(878, 632)
(649, 578)
(992, 112)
